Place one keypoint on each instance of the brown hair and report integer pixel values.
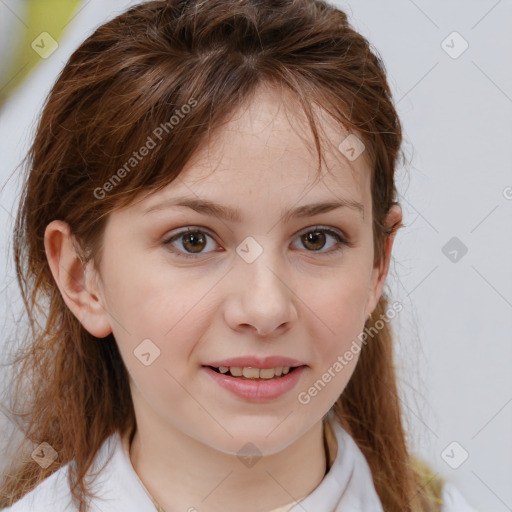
(124, 81)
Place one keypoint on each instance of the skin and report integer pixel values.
(292, 301)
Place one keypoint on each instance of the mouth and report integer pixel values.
(257, 385)
(251, 373)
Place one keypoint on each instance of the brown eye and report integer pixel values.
(193, 242)
(314, 240)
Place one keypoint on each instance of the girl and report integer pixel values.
(217, 336)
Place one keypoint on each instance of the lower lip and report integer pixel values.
(257, 390)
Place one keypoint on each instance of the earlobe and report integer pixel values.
(76, 281)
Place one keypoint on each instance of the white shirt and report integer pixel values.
(347, 486)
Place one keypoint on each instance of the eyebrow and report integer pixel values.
(233, 215)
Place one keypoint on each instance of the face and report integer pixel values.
(264, 284)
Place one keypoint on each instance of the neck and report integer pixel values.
(181, 473)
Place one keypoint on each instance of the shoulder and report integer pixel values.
(53, 493)
(115, 486)
(453, 501)
(50, 495)
(440, 490)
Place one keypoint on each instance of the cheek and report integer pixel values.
(151, 320)
(336, 313)
(337, 305)
(148, 299)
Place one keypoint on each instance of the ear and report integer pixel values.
(380, 270)
(78, 283)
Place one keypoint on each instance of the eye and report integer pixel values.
(315, 239)
(194, 240)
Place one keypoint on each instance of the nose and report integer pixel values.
(261, 297)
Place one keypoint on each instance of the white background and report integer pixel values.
(454, 334)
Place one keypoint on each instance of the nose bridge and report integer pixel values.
(260, 262)
(265, 298)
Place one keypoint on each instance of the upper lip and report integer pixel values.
(256, 362)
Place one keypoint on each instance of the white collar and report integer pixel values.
(347, 487)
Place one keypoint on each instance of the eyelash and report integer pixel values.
(342, 242)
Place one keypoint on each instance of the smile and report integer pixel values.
(260, 385)
(250, 372)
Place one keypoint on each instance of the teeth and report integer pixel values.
(250, 373)
(267, 373)
(255, 373)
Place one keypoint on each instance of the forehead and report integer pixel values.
(266, 149)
